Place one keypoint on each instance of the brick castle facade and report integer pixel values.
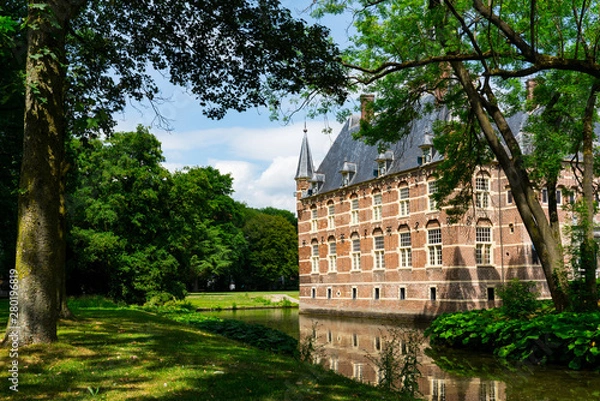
(372, 241)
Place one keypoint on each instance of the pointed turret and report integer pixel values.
(305, 168)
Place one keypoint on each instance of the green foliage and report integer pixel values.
(569, 339)
(519, 298)
(272, 260)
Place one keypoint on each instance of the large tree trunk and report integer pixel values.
(542, 235)
(588, 246)
(41, 237)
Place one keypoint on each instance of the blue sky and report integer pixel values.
(260, 154)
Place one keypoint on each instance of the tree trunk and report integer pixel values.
(588, 246)
(542, 235)
(41, 237)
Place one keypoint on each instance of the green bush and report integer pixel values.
(569, 339)
(519, 298)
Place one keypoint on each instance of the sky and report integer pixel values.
(260, 154)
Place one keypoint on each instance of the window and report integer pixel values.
(432, 189)
(558, 197)
(331, 216)
(329, 293)
(355, 255)
(402, 294)
(483, 245)
(315, 258)
(354, 293)
(434, 246)
(332, 257)
(544, 195)
(354, 340)
(358, 372)
(432, 293)
(438, 390)
(379, 253)
(377, 202)
(482, 192)
(404, 202)
(491, 294)
(376, 293)
(314, 226)
(509, 197)
(405, 249)
(487, 391)
(354, 211)
(313, 293)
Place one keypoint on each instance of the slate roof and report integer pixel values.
(306, 167)
(346, 151)
(348, 154)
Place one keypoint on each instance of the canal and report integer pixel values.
(350, 346)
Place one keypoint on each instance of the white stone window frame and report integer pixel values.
(434, 247)
(377, 206)
(379, 252)
(483, 245)
(314, 219)
(405, 249)
(314, 258)
(432, 188)
(331, 216)
(404, 201)
(332, 256)
(482, 192)
(355, 254)
(354, 214)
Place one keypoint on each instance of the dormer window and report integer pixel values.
(384, 162)
(426, 149)
(348, 172)
(316, 183)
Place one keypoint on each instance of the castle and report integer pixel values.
(372, 240)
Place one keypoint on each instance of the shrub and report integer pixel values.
(519, 298)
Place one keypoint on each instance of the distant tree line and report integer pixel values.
(136, 230)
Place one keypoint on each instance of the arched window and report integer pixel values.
(482, 191)
(405, 248)
(483, 243)
(355, 254)
(354, 217)
(330, 215)
(404, 202)
(332, 256)
(377, 206)
(315, 256)
(432, 188)
(434, 244)
(378, 250)
(314, 222)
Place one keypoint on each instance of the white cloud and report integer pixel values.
(262, 160)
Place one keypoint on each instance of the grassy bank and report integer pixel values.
(112, 353)
(233, 300)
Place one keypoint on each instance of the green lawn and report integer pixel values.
(224, 300)
(112, 353)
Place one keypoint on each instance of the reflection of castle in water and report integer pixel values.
(348, 347)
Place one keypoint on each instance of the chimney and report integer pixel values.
(366, 107)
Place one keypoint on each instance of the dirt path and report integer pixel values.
(280, 297)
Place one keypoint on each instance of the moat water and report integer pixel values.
(350, 346)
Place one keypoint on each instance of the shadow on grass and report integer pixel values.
(118, 354)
